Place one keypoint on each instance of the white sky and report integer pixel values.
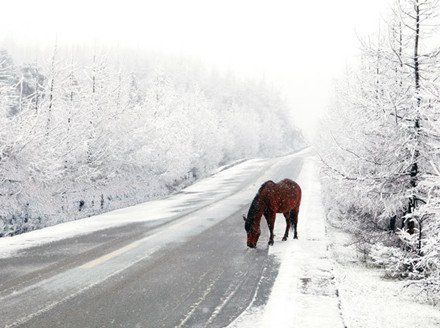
(300, 46)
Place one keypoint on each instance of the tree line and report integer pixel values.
(380, 148)
(86, 130)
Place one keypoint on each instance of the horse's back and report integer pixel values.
(281, 196)
(289, 185)
(283, 184)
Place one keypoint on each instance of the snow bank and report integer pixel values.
(368, 299)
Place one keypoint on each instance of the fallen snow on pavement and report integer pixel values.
(196, 196)
(245, 176)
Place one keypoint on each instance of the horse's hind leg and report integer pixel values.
(270, 218)
(294, 221)
(286, 234)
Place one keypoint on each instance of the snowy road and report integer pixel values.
(181, 262)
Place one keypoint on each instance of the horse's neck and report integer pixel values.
(257, 220)
(259, 211)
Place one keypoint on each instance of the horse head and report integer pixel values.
(252, 237)
(253, 230)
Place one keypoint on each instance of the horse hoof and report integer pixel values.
(295, 237)
(270, 243)
(284, 239)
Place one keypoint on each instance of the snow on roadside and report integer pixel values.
(304, 294)
(368, 299)
(196, 196)
(323, 283)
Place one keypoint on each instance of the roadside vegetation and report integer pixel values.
(380, 148)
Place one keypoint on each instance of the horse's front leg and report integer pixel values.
(270, 218)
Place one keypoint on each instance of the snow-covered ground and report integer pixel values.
(368, 299)
(322, 282)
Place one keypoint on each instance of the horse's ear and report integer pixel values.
(244, 218)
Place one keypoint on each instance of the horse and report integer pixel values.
(272, 198)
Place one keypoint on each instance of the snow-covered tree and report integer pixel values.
(380, 146)
(89, 130)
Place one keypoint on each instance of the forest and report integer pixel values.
(89, 129)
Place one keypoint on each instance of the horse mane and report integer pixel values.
(251, 214)
(254, 207)
(264, 185)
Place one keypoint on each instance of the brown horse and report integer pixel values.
(272, 198)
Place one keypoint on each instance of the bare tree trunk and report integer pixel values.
(415, 167)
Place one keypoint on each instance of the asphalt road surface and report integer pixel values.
(164, 273)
